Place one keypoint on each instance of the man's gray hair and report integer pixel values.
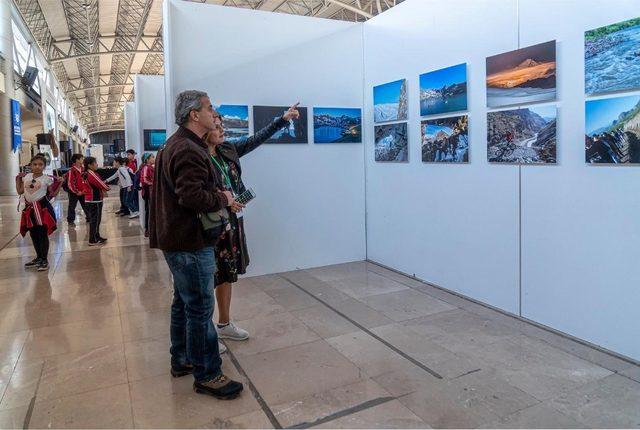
(186, 102)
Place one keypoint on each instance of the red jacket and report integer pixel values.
(74, 180)
(94, 187)
(133, 165)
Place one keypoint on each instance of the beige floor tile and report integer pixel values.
(321, 405)
(406, 305)
(368, 284)
(324, 322)
(299, 371)
(145, 300)
(252, 420)
(361, 313)
(272, 332)
(165, 402)
(144, 325)
(78, 336)
(22, 385)
(612, 402)
(69, 374)
(339, 271)
(105, 408)
(13, 418)
(369, 354)
(256, 305)
(148, 358)
(292, 298)
(540, 415)
(11, 346)
(390, 415)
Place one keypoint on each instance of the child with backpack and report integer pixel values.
(38, 216)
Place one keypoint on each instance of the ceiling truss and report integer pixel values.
(95, 70)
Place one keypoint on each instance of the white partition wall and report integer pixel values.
(453, 225)
(150, 113)
(309, 209)
(131, 136)
(555, 244)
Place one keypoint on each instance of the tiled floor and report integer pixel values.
(353, 345)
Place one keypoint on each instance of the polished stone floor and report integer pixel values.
(354, 345)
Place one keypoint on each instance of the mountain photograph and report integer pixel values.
(526, 75)
(444, 90)
(522, 136)
(445, 140)
(235, 120)
(390, 101)
(337, 125)
(613, 130)
(391, 143)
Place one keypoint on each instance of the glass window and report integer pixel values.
(21, 49)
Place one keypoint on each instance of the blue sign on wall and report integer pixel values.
(16, 124)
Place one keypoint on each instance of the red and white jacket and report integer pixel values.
(74, 180)
(94, 187)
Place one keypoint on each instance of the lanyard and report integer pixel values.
(223, 171)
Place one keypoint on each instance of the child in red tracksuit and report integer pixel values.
(38, 217)
(94, 188)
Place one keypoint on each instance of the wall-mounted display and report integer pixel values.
(613, 130)
(445, 140)
(296, 132)
(154, 139)
(444, 90)
(392, 143)
(235, 120)
(612, 57)
(526, 75)
(390, 101)
(337, 125)
(525, 136)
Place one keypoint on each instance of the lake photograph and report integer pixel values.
(337, 125)
(443, 90)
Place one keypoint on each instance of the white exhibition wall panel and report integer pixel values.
(309, 209)
(150, 106)
(452, 225)
(580, 223)
(150, 113)
(131, 136)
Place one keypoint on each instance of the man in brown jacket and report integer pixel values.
(184, 187)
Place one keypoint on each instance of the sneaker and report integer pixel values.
(33, 263)
(232, 331)
(179, 371)
(44, 265)
(95, 243)
(134, 215)
(220, 387)
(118, 212)
(222, 348)
(102, 241)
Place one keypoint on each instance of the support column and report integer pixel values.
(9, 164)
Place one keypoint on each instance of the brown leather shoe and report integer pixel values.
(220, 387)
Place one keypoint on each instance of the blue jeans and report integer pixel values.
(132, 200)
(193, 337)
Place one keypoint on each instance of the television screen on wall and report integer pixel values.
(154, 139)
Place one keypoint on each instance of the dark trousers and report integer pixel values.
(132, 200)
(193, 337)
(95, 217)
(74, 199)
(40, 240)
(147, 203)
(123, 201)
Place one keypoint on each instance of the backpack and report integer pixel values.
(136, 180)
(65, 184)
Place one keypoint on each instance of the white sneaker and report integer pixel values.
(134, 215)
(221, 348)
(232, 331)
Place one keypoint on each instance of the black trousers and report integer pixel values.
(40, 240)
(123, 201)
(95, 217)
(74, 199)
(147, 203)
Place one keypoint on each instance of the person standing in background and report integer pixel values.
(123, 174)
(146, 180)
(38, 216)
(94, 189)
(131, 197)
(74, 185)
